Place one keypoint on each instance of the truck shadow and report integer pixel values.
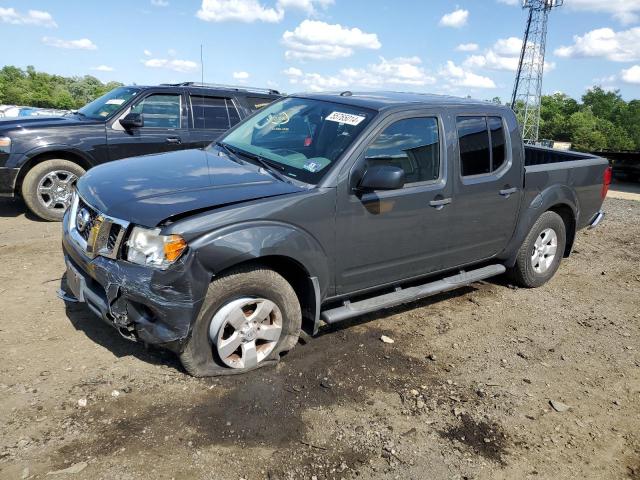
(108, 337)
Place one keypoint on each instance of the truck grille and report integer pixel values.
(95, 232)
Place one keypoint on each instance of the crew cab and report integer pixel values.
(317, 209)
(41, 158)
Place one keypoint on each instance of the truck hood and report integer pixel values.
(43, 122)
(147, 190)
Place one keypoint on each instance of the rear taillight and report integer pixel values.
(606, 181)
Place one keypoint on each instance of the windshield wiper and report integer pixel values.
(231, 153)
(272, 167)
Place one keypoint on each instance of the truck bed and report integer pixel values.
(581, 172)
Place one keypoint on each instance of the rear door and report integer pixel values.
(487, 188)
(387, 236)
(164, 130)
(210, 117)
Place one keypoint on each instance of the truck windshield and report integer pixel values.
(103, 107)
(304, 136)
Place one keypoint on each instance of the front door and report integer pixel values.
(487, 189)
(387, 236)
(164, 128)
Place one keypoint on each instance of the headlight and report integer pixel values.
(5, 145)
(148, 247)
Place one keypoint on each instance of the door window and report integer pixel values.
(159, 111)
(213, 113)
(498, 150)
(411, 144)
(474, 145)
(482, 144)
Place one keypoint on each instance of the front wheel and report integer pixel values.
(47, 188)
(248, 318)
(541, 252)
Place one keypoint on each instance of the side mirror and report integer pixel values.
(382, 177)
(132, 120)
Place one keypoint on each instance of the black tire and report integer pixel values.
(523, 273)
(33, 178)
(199, 356)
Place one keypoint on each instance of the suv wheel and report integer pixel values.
(541, 252)
(249, 317)
(47, 188)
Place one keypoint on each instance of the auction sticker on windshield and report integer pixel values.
(347, 118)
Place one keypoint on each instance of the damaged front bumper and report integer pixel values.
(153, 306)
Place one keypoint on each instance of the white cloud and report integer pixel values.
(625, 11)
(467, 47)
(508, 46)
(503, 55)
(81, 44)
(318, 40)
(103, 68)
(623, 46)
(511, 2)
(160, 3)
(183, 66)
(247, 11)
(32, 17)
(253, 10)
(631, 75)
(147, 53)
(395, 71)
(460, 77)
(308, 6)
(456, 19)
(241, 76)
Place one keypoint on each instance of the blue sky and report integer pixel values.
(467, 47)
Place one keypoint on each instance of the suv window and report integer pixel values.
(213, 113)
(256, 103)
(160, 110)
(411, 144)
(482, 144)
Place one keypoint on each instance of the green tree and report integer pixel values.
(38, 89)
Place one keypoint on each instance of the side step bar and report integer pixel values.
(407, 295)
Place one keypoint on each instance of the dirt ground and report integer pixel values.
(464, 392)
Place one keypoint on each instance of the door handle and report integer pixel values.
(174, 140)
(439, 204)
(508, 191)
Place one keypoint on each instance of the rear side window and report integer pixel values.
(256, 103)
(474, 145)
(498, 144)
(411, 144)
(482, 144)
(213, 113)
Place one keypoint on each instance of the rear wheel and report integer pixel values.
(47, 188)
(249, 317)
(541, 252)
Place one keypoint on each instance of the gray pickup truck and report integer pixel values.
(314, 210)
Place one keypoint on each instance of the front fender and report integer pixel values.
(550, 197)
(55, 148)
(234, 244)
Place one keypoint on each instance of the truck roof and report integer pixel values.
(387, 100)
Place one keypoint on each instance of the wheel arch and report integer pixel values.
(560, 199)
(38, 156)
(285, 248)
(304, 285)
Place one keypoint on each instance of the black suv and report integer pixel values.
(42, 157)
